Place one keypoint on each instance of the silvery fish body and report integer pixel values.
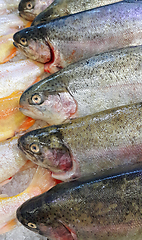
(99, 207)
(104, 81)
(71, 38)
(87, 145)
(61, 8)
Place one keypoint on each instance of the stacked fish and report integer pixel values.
(92, 101)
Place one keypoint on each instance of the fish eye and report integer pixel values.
(34, 148)
(36, 99)
(32, 225)
(23, 41)
(29, 5)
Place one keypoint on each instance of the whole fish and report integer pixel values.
(91, 85)
(103, 207)
(42, 181)
(61, 8)
(68, 39)
(90, 144)
(30, 9)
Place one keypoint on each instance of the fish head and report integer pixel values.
(31, 214)
(32, 42)
(48, 100)
(42, 215)
(46, 148)
(27, 9)
(30, 9)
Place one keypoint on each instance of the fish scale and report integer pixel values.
(101, 82)
(61, 8)
(89, 144)
(103, 207)
(74, 37)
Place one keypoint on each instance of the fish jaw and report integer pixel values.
(36, 6)
(25, 11)
(62, 165)
(49, 151)
(55, 230)
(57, 160)
(38, 50)
(55, 109)
(108, 213)
(27, 15)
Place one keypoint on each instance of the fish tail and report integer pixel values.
(28, 25)
(5, 182)
(42, 181)
(28, 122)
(7, 50)
(10, 56)
(37, 80)
(27, 165)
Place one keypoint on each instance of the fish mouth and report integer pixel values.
(21, 219)
(27, 15)
(19, 216)
(27, 154)
(15, 45)
(30, 112)
(20, 146)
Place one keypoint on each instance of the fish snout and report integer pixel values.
(19, 215)
(20, 38)
(20, 7)
(20, 144)
(16, 38)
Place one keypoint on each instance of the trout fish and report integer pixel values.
(105, 207)
(30, 9)
(71, 38)
(92, 85)
(90, 144)
(61, 8)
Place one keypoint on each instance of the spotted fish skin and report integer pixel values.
(90, 144)
(68, 39)
(102, 207)
(101, 82)
(61, 8)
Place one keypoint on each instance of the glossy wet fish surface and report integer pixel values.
(104, 207)
(89, 144)
(30, 9)
(61, 8)
(101, 82)
(68, 39)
